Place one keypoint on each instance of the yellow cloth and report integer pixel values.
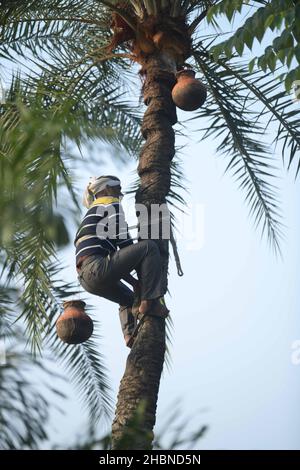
(105, 200)
(99, 200)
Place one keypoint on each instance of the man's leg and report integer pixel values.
(121, 294)
(127, 320)
(144, 257)
(116, 292)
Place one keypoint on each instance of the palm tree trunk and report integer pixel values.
(140, 383)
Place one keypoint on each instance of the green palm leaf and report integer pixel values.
(23, 409)
(240, 142)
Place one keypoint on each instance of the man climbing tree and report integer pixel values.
(101, 266)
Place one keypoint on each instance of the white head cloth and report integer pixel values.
(96, 185)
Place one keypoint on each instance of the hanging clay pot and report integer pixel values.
(189, 93)
(74, 326)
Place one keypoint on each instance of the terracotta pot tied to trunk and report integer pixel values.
(189, 93)
(74, 326)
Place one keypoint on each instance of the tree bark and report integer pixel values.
(140, 384)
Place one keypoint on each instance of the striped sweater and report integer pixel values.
(103, 229)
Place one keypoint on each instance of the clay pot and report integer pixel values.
(74, 326)
(189, 93)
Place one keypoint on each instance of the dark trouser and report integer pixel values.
(102, 276)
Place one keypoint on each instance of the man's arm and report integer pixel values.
(123, 237)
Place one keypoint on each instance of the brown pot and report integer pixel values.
(189, 93)
(74, 326)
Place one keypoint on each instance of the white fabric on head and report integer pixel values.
(95, 186)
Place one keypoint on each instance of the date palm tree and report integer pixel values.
(84, 58)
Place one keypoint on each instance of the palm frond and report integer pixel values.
(36, 28)
(280, 18)
(84, 363)
(24, 411)
(279, 109)
(29, 256)
(33, 166)
(85, 367)
(240, 131)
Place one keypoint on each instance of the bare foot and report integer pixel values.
(145, 306)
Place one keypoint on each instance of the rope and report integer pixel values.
(176, 254)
